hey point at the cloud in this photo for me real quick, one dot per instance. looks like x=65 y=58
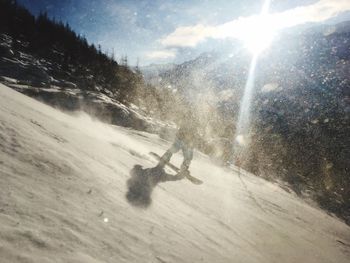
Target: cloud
x=318 y=12
x=191 y=36
x=188 y=36
x=161 y=54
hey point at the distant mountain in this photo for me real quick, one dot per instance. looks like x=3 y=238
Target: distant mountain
x=327 y=29
x=220 y=71
x=152 y=72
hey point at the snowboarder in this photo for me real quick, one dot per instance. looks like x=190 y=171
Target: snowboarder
x=185 y=139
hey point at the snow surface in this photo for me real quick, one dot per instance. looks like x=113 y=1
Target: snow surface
x=63 y=199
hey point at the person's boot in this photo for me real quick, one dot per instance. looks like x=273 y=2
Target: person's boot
x=184 y=170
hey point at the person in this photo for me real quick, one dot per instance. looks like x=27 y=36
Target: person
x=184 y=140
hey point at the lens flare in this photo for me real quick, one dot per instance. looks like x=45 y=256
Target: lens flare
x=243 y=124
x=257 y=35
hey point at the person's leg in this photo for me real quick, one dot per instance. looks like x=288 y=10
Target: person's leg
x=167 y=155
x=188 y=156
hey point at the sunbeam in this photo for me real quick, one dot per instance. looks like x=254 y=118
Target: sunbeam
x=242 y=138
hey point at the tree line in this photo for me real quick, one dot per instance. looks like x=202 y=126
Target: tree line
x=78 y=61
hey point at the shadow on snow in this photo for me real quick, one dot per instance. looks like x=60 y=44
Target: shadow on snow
x=142 y=182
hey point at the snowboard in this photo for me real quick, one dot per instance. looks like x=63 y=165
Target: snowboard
x=177 y=170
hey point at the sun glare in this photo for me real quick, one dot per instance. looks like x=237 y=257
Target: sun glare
x=257 y=34
x=258 y=31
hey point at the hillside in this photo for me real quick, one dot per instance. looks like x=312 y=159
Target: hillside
x=47 y=60
x=61 y=56
x=64 y=182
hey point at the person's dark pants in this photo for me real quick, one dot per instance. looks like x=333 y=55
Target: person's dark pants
x=186 y=150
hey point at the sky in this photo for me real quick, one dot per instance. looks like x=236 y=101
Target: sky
x=166 y=31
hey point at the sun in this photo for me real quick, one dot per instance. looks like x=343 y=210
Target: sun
x=257 y=33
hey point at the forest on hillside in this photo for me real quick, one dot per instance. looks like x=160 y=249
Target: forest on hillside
x=71 y=56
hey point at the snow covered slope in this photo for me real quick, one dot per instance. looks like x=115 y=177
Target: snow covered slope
x=63 y=199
